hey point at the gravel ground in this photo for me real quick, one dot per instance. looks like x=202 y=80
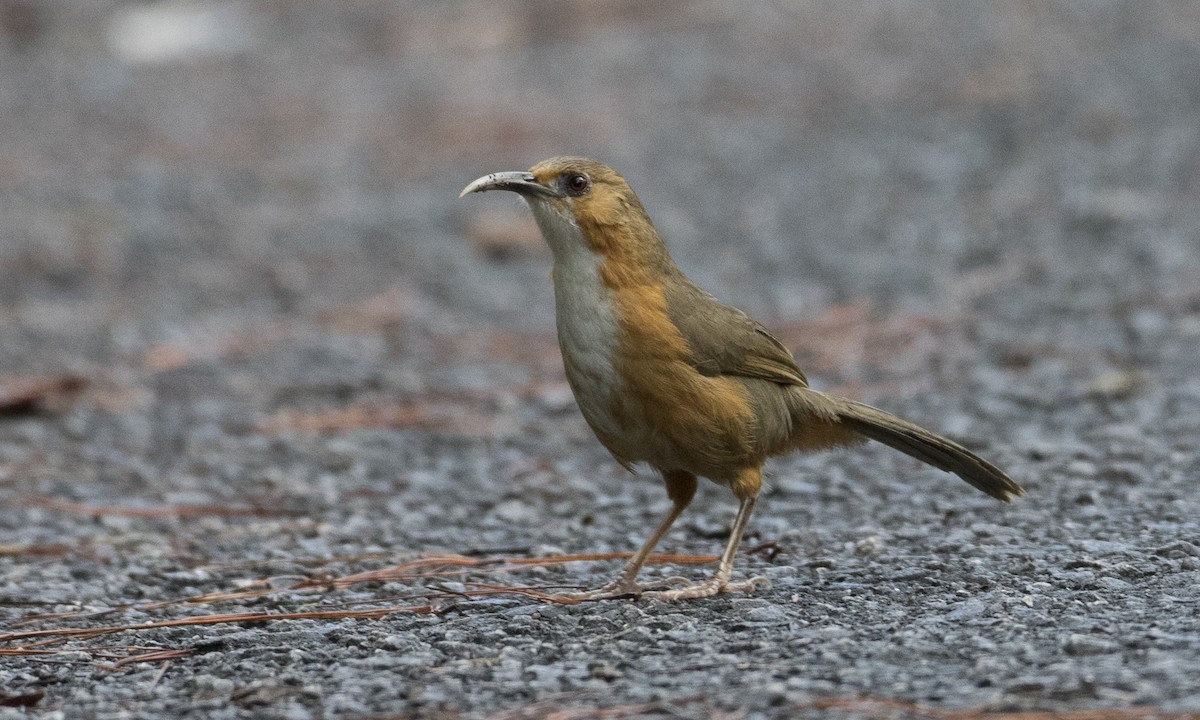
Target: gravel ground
x=318 y=386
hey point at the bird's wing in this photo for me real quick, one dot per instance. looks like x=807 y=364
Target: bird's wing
x=726 y=341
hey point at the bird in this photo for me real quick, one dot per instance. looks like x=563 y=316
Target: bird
x=667 y=375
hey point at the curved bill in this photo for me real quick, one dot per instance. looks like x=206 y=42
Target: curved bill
x=523 y=183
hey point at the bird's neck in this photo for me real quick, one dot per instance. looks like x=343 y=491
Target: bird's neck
x=626 y=253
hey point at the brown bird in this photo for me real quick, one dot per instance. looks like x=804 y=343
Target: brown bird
x=666 y=375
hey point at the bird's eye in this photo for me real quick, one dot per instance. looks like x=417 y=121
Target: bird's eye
x=578 y=183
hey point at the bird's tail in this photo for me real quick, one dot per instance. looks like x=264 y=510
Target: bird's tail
x=927 y=447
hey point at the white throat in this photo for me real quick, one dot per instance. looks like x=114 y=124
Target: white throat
x=587 y=324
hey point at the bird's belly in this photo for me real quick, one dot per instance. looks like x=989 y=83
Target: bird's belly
x=588 y=335
x=589 y=359
x=599 y=394
x=627 y=366
x=662 y=412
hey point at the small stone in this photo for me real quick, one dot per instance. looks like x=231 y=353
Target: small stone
x=515 y=512
x=768 y=615
x=973 y=608
x=1079 y=644
x=870 y=545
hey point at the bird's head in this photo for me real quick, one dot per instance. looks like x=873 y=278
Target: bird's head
x=577 y=200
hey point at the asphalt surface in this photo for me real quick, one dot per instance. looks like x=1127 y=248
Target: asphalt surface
x=286 y=432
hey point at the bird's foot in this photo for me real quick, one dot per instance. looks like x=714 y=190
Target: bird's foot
x=617 y=589
x=627 y=588
x=707 y=588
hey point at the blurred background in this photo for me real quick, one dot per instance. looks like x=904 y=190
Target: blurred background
x=220 y=211
x=230 y=234
x=177 y=174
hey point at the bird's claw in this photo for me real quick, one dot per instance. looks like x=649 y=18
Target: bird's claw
x=616 y=590
x=673 y=581
x=679 y=589
x=708 y=588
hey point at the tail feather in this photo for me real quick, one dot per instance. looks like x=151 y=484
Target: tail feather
x=928 y=447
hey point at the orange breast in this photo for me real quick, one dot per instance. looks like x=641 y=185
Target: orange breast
x=670 y=415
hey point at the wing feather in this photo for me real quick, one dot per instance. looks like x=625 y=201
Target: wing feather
x=726 y=341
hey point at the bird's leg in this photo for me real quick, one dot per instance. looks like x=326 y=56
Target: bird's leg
x=681 y=488
x=747 y=489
